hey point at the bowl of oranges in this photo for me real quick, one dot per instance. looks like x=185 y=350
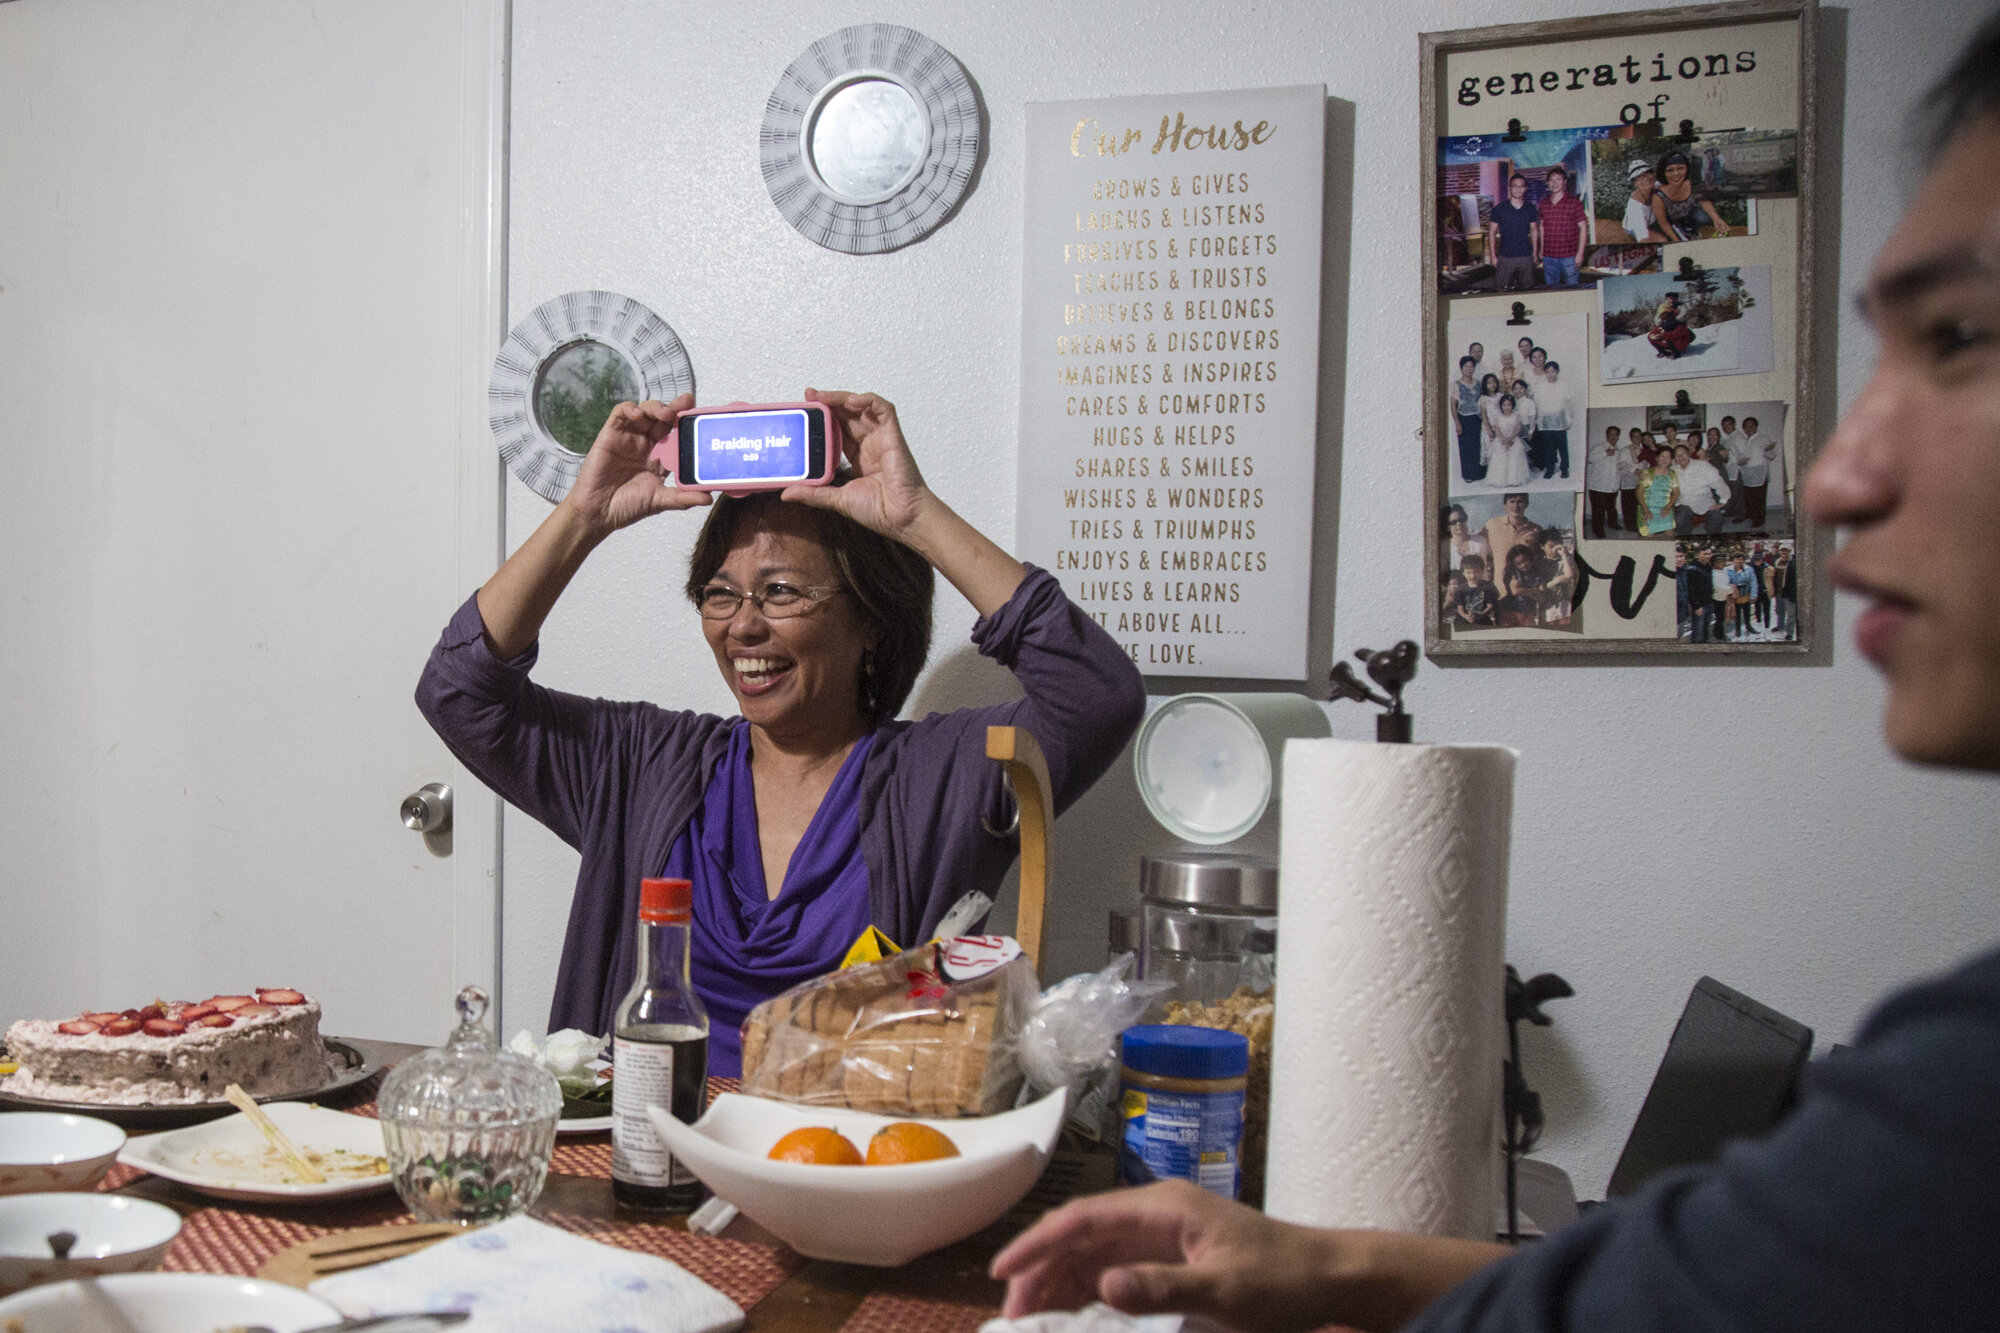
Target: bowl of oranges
x=861 y=1188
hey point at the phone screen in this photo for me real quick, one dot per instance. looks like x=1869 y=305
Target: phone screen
x=786 y=444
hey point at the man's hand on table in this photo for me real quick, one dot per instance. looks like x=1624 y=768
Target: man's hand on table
x=1175 y=1248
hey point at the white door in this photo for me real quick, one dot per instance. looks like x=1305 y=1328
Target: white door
x=248 y=292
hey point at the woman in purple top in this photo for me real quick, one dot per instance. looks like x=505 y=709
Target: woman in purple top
x=815 y=813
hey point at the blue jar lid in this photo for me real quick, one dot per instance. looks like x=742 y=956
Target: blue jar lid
x=1173 y=1050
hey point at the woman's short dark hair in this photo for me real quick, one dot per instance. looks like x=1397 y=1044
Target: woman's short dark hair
x=1968 y=92
x=891 y=586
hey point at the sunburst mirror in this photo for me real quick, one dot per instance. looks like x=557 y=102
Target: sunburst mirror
x=870 y=139
x=564 y=368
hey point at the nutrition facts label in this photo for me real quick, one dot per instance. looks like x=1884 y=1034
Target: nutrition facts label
x=1170 y=370
x=645 y=1078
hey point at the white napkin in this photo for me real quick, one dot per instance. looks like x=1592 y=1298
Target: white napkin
x=1098 y=1317
x=523 y=1276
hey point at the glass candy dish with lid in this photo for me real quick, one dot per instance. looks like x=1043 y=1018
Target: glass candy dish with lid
x=469 y=1125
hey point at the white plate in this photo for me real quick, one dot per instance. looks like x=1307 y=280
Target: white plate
x=584 y=1124
x=880 y=1215
x=166 y=1303
x=230 y=1159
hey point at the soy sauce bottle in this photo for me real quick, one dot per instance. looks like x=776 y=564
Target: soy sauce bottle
x=659 y=1055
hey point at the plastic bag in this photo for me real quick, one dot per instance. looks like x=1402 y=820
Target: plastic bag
x=931 y=1031
x=1072 y=1033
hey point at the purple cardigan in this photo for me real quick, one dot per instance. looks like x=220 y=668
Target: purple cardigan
x=620 y=781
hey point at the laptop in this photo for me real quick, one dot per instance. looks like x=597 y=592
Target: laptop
x=1731 y=1071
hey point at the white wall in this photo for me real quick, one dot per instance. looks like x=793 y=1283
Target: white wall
x=1739 y=821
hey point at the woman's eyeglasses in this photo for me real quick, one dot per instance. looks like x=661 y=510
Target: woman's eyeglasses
x=774 y=601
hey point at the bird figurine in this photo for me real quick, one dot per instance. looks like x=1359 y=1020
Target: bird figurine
x=1392 y=669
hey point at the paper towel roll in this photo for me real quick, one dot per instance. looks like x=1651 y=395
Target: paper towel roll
x=1385 y=1061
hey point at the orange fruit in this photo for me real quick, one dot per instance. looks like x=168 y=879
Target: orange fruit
x=908 y=1141
x=817 y=1145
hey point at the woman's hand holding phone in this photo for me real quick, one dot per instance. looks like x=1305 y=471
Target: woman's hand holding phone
x=887 y=492
x=619 y=483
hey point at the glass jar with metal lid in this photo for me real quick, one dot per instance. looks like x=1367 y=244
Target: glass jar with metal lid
x=1209 y=922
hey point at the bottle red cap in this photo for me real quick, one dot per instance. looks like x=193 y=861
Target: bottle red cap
x=666 y=901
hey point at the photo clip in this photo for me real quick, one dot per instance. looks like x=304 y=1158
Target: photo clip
x=1688 y=133
x=1516 y=133
x=1521 y=313
x=1688 y=270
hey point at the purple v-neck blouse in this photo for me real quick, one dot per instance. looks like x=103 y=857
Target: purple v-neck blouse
x=747 y=945
x=625 y=782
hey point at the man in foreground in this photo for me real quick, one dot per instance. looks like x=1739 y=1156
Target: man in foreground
x=1875 y=1206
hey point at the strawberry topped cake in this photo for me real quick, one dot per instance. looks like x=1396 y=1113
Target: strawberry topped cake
x=173 y=1054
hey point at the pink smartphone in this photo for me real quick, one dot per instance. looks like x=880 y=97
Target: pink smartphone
x=747 y=447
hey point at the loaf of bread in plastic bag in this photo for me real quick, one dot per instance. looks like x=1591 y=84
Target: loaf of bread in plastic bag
x=899 y=1036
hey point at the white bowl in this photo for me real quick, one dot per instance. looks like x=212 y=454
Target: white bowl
x=166 y=1303
x=41 y=1151
x=113 y=1235
x=879 y=1215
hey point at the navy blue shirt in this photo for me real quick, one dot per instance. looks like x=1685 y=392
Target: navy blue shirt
x=1516 y=242
x=1876 y=1206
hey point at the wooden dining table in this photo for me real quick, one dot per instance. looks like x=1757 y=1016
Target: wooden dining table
x=946 y=1291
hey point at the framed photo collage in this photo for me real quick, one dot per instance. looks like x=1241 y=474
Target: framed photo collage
x=1619 y=331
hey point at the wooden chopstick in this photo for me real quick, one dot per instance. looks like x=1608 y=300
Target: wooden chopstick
x=241 y=1101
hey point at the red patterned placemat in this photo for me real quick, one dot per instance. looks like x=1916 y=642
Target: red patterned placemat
x=583 y=1156
x=743 y=1272
x=880 y=1312
x=222 y=1240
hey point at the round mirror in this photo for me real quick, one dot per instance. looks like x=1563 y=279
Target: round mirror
x=562 y=370
x=868 y=139
x=576 y=390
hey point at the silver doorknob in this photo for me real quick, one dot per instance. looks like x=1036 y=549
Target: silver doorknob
x=428 y=809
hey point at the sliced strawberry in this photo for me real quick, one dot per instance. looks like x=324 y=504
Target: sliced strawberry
x=151 y=1011
x=99 y=1018
x=164 y=1027
x=128 y=1013
x=189 y=1013
x=280 y=997
x=78 y=1027
x=214 y=1021
x=254 y=1011
x=121 y=1027
x=229 y=1003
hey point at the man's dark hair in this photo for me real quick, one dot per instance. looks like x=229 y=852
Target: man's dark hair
x=1969 y=91
x=891 y=587
x=1557 y=171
